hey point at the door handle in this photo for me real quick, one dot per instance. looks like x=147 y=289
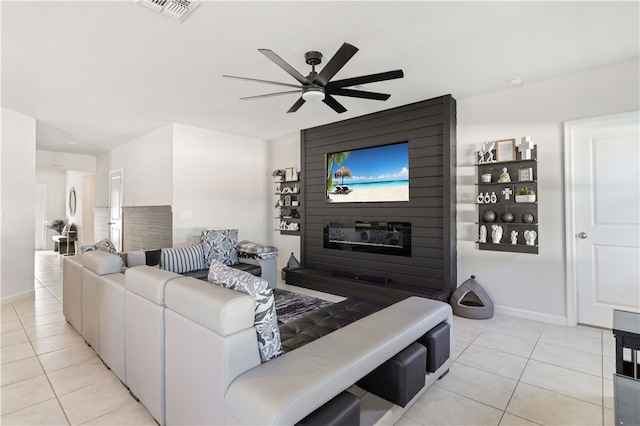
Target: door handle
x=582 y=235
x=111 y=223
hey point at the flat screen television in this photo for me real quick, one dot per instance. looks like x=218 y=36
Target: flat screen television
x=375 y=174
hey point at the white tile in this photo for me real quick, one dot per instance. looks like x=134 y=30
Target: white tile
x=609 y=348
x=607 y=394
x=582 y=330
x=129 y=413
x=457 y=347
x=493 y=361
x=562 y=380
x=608 y=367
x=56 y=342
x=505 y=343
x=47 y=330
x=56 y=290
x=44 y=413
x=94 y=401
x=9 y=315
x=568 y=358
x=518 y=327
x=8 y=326
x=481 y=386
x=439 y=406
x=42 y=319
x=79 y=376
x=17 y=352
x=570 y=338
x=32 y=303
x=13 y=338
x=407 y=421
x=511 y=420
x=550 y=408
x=609 y=417
x=53 y=361
x=25 y=393
x=21 y=370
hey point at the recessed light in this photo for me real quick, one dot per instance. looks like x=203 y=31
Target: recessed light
x=71 y=143
x=516 y=81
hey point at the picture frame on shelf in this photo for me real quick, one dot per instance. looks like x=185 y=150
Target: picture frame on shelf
x=287 y=201
x=525 y=175
x=290 y=174
x=506 y=150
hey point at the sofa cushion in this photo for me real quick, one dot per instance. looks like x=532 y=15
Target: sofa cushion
x=266 y=322
x=102 y=263
x=182 y=259
x=220 y=245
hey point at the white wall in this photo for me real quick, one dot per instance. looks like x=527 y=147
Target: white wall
x=524 y=284
x=147 y=170
x=75 y=179
x=17 y=192
x=283 y=153
x=55 y=180
x=64 y=161
x=220 y=181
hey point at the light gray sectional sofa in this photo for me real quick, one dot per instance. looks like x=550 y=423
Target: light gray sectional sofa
x=188 y=349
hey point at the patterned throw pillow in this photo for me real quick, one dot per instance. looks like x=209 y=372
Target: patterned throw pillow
x=182 y=259
x=104 y=245
x=220 y=245
x=266 y=322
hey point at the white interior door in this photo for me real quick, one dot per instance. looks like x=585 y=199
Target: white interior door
x=115 y=208
x=605 y=156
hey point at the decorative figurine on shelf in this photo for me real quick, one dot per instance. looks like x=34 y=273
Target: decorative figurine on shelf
x=496 y=233
x=480 y=198
x=487 y=148
x=483 y=234
x=507 y=193
x=494 y=198
x=525 y=148
x=504 y=176
x=487 y=198
x=530 y=237
x=514 y=237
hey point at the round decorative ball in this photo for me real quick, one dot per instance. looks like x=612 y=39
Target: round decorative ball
x=489 y=216
x=527 y=218
x=507 y=217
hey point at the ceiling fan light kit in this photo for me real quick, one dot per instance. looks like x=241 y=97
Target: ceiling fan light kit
x=318 y=86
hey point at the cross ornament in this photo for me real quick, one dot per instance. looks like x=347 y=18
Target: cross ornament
x=525 y=148
x=507 y=192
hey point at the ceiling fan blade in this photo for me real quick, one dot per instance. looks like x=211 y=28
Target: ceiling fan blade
x=297 y=105
x=361 y=94
x=336 y=63
x=335 y=105
x=371 y=78
x=268 y=95
x=277 y=83
x=285 y=66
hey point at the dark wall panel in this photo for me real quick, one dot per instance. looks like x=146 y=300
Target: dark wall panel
x=429 y=128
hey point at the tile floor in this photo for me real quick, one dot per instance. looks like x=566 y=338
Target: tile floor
x=507 y=371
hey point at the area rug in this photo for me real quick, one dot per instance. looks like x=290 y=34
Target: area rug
x=290 y=305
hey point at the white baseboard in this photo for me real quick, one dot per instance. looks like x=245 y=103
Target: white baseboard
x=531 y=315
x=17 y=297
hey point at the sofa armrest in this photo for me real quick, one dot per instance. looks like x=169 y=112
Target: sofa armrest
x=269 y=269
x=302 y=380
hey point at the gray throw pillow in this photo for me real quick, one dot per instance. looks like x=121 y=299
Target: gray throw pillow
x=220 y=245
x=266 y=322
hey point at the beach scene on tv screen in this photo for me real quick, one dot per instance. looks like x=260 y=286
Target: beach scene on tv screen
x=374 y=174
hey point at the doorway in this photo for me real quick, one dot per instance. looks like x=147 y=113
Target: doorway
x=115 y=208
x=41 y=217
x=602 y=204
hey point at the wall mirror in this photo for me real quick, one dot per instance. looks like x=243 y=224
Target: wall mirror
x=72 y=201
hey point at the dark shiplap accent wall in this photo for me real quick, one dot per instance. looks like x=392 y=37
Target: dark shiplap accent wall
x=429 y=127
x=146 y=227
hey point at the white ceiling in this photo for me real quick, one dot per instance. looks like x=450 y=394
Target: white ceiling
x=99 y=73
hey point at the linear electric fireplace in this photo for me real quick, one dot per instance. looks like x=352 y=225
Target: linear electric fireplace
x=382 y=237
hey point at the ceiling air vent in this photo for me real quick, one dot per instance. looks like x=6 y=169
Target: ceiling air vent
x=176 y=9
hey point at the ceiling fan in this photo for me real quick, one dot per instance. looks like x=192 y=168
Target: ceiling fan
x=318 y=86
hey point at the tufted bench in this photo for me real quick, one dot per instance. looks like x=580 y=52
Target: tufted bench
x=314 y=325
